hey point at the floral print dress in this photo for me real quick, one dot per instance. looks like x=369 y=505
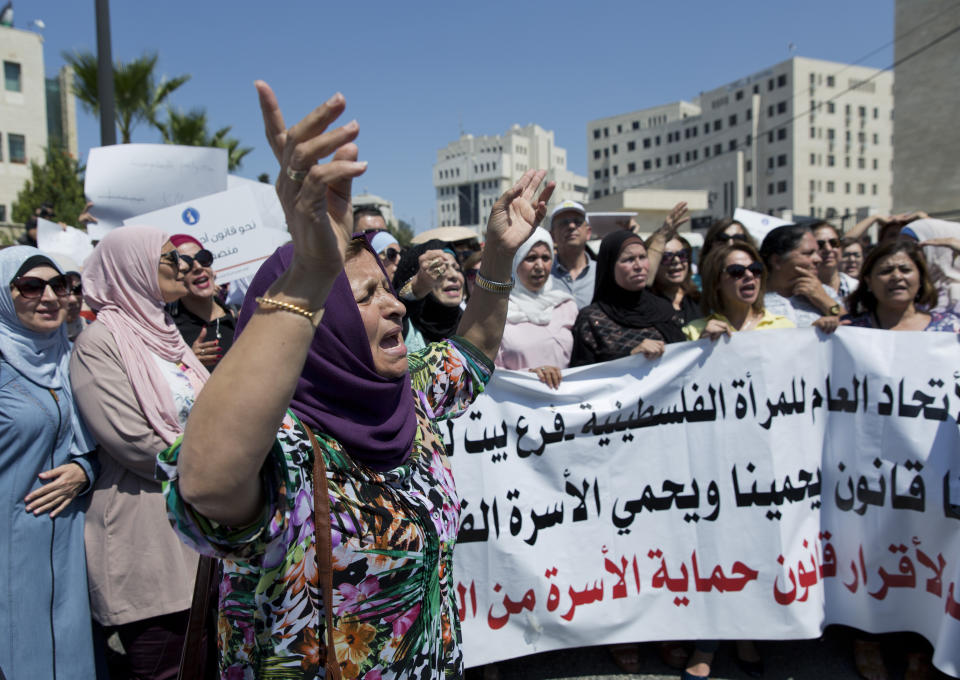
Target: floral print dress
x=392 y=535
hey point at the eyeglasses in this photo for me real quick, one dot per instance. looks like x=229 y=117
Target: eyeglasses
x=724 y=237
x=76 y=287
x=32 y=287
x=577 y=221
x=671 y=255
x=832 y=242
x=179 y=261
x=736 y=271
x=392 y=253
x=852 y=256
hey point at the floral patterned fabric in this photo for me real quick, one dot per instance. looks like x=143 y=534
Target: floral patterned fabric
x=946 y=321
x=392 y=535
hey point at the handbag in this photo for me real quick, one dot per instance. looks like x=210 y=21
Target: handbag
x=199 y=658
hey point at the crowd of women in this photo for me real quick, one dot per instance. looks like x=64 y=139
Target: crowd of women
x=133 y=444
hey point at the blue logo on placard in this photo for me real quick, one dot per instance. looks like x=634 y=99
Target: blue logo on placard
x=190 y=216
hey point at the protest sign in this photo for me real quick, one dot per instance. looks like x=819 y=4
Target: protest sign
x=265 y=196
x=228 y=225
x=759 y=487
x=758 y=224
x=125 y=180
x=59 y=239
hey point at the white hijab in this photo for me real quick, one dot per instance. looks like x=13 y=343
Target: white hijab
x=529 y=306
x=943 y=274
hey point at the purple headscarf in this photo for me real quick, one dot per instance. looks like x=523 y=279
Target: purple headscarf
x=339 y=393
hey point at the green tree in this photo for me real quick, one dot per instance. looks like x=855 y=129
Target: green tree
x=401 y=231
x=58 y=181
x=137 y=94
x=190 y=129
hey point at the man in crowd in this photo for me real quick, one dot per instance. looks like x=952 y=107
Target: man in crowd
x=367 y=218
x=573 y=267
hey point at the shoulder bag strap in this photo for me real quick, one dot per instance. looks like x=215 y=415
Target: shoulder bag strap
x=322 y=547
x=198 y=661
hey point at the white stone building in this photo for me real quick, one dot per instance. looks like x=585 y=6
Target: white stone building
x=803 y=137
x=378 y=202
x=471 y=173
x=33 y=109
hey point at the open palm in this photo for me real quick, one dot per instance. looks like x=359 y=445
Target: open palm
x=516 y=214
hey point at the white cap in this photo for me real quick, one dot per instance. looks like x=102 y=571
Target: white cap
x=567 y=206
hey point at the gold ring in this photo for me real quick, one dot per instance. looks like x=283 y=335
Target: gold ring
x=296 y=175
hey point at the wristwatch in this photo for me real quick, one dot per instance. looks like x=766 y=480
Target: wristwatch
x=834 y=311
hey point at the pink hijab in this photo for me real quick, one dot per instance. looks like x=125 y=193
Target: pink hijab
x=120 y=283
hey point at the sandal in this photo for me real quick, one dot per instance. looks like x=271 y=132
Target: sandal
x=868 y=658
x=627 y=657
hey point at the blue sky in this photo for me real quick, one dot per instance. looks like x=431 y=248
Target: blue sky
x=414 y=72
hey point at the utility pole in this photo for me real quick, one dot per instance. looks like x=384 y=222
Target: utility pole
x=108 y=127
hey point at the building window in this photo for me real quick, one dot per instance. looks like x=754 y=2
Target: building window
x=17 y=145
x=756 y=89
x=596 y=154
x=670 y=159
x=846 y=187
x=813 y=159
x=614 y=148
x=732 y=120
x=619 y=129
x=748 y=191
x=687 y=157
x=781 y=80
x=770 y=137
x=861 y=188
x=782 y=133
x=748 y=165
x=876 y=165
x=658 y=163
x=631 y=167
x=862 y=110
x=749 y=138
x=781 y=160
x=656 y=140
x=770 y=189
x=695 y=154
x=770 y=85
x=706 y=128
x=782 y=107
x=636 y=125
x=846 y=162
x=831 y=161
x=770 y=111
x=813 y=133
x=596 y=194
x=830 y=187
x=717 y=125
x=733 y=145
x=596 y=133
x=631 y=146
x=616 y=170
x=646 y=143
x=3 y=213
x=11 y=76
x=749 y=114
x=862 y=163
x=606 y=153
x=782 y=187
x=831 y=107
x=647 y=164
x=770 y=162
x=606 y=132
x=596 y=174
x=717 y=149
x=706 y=152
x=873 y=190
x=606 y=172
x=830 y=81
x=831 y=134
x=739 y=95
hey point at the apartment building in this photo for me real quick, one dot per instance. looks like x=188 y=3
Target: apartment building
x=471 y=173
x=803 y=137
x=34 y=111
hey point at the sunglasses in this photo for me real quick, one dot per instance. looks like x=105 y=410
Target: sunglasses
x=203 y=258
x=736 y=271
x=577 y=221
x=832 y=242
x=671 y=255
x=32 y=287
x=76 y=287
x=392 y=253
x=852 y=256
x=723 y=238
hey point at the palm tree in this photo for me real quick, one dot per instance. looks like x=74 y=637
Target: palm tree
x=190 y=129
x=138 y=95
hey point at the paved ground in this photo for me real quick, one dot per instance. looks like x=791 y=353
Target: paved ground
x=829 y=658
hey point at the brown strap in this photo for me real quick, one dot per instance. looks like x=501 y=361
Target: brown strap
x=322 y=547
x=198 y=661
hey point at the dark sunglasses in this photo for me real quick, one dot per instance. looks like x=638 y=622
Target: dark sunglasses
x=723 y=238
x=76 y=287
x=832 y=242
x=392 y=253
x=736 y=271
x=577 y=221
x=32 y=287
x=671 y=255
x=204 y=258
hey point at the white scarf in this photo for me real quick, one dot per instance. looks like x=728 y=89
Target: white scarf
x=529 y=306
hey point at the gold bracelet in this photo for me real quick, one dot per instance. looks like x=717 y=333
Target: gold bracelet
x=406 y=292
x=295 y=309
x=498 y=287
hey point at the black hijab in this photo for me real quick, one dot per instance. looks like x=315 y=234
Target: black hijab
x=434 y=320
x=633 y=309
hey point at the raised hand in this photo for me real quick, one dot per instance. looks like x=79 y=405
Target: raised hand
x=315 y=197
x=677 y=216
x=516 y=213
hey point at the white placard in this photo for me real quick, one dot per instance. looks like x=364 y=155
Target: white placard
x=58 y=239
x=228 y=225
x=125 y=180
x=799 y=479
x=758 y=224
x=265 y=196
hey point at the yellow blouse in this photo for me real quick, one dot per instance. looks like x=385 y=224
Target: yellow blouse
x=694 y=329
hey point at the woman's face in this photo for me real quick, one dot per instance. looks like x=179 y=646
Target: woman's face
x=45 y=313
x=630 y=270
x=851 y=259
x=674 y=265
x=894 y=281
x=171 y=275
x=75 y=299
x=381 y=312
x=804 y=256
x=200 y=281
x=828 y=246
x=449 y=287
x=734 y=290
x=534 y=269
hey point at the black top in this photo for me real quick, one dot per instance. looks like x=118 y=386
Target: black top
x=189 y=325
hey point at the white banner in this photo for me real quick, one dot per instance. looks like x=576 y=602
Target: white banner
x=758 y=488
x=59 y=239
x=228 y=224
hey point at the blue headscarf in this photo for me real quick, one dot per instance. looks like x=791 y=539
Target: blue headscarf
x=41 y=358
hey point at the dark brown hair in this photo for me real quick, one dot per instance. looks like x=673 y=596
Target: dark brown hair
x=712 y=270
x=710 y=240
x=862 y=301
x=688 y=286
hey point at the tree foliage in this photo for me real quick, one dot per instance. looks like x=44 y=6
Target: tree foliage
x=401 y=231
x=58 y=181
x=137 y=94
x=190 y=129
